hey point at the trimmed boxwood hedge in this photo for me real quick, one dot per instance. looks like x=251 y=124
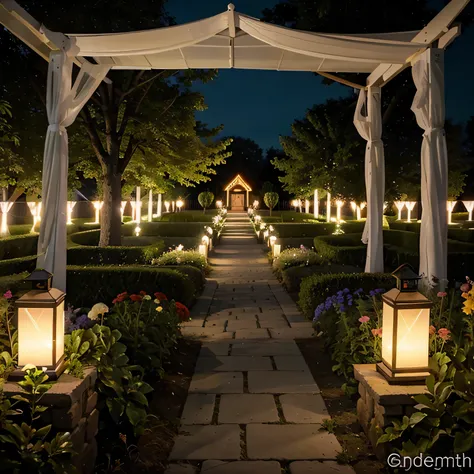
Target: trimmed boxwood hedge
x=89 y=285
x=192 y=273
x=17 y=246
x=316 y=288
x=316 y=229
x=17 y=265
x=344 y=248
x=188 y=217
x=166 y=229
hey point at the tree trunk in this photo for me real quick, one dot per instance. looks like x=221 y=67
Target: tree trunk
x=111 y=224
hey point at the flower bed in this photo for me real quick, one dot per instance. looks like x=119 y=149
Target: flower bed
x=295 y=257
x=182 y=257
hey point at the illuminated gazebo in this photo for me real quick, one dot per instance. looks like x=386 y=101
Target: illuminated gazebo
x=235 y=40
x=238 y=194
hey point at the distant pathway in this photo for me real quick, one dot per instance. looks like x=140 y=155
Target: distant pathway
x=253 y=406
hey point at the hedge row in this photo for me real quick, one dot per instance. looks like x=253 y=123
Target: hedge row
x=316 y=288
x=316 y=229
x=344 y=248
x=17 y=246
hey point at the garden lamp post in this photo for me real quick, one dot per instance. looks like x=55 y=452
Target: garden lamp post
x=40 y=316
x=406 y=326
x=203 y=250
x=276 y=250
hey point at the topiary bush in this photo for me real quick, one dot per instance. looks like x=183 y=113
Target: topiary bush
x=89 y=285
x=192 y=273
x=186 y=217
x=271 y=200
x=17 y=265
x=17 y=246
x=182 y=257
x=205 y=199
x=343 y=248
x=316 y=288
x=295 y=257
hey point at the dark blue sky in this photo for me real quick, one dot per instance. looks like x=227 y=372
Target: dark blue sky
x=263 y=104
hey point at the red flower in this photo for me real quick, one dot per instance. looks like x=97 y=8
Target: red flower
x=182 y=311
x=143 y=293
x=161 y=296
x=136 y=297
x=120 y=297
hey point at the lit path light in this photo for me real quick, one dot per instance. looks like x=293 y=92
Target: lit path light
x=35 y=209
x=469 y=205
x=410 y=206
x=450 y=205
x=328 y=207
x=179 y=204
x=137 y=231
x=399 y=205
x=70 y=207
x=219 y=204
x=5 y=208
x=276 y=250
x=97 y=206
x=122 y=209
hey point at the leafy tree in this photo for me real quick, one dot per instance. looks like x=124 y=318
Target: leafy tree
x=271 y=200
x=267 y=187
x=142 y=117
x=205 y=199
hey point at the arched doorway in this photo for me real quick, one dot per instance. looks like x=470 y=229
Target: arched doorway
x=238 y=194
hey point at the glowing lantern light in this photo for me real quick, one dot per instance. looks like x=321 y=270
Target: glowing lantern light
x=316 y=204
x=70 y=207
x=180 y=248
x=97 y=206
x=179 y=204
x=276 y=250
x=406 y=326
x=35 y=209
x=339 y=205
x=137 y=231
x=399 y=205
x=258 y=218
x=122 y=209
x=167 y=206
x=328 y=207
x=410 y=205
x=469 y=205
x=256 y=203
x=40 y=314
x=203 y=250
x=5 y=208
x=272 y=240
x=219 y=204
x=450 y=206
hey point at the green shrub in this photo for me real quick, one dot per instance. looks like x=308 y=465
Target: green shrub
x=192 y=273
x=206 y=198
x=463 y=235
x=87 y=237
x=295 y=257
x=182 y=257
x=293 y=216
x=15 y=283
x=304 y=230
x=408 y=226
x=114 y=255
x=88 y=285
x=17 y=246
x=186 y=217
x=166 y=229
x=20 y=229
x=17 y=265
x=343 y=248
x=316 y=288
x=292 y=242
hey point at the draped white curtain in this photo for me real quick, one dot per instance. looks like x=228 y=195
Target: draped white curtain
x=429 y=109
x=64 y=101
x=369 y=126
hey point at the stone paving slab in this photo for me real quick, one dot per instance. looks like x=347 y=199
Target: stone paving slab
x=193 y=323
x=202 y=332
x=316 y=467
x=198 y=409
x=265 y=348
x=302 y=324
x=247 y=408
x=290 y=442
x=232 y=364
x=240 y=467
x=282 y=382
x=212 y=349
x=180 y=469
x=260 y=333
x=291 y=363
x=292 y=333
x=217 y=382
x=304 y=408
x=207 y=442
x=277 y=323
x=247 y=323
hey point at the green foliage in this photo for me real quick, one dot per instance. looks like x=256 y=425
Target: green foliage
x=89 y=285
x=182 y=257
x=316 y=288
x=18 y=246
x=295 y=257
x=29 y=445
x=186 y=217
x=195 y=275
x=271 y=200
x=344 y=248
x=17 y=265
x=206 y=198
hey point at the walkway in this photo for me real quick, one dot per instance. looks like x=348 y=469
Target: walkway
x=253 y=405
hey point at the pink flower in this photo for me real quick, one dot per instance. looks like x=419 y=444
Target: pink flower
x=465 y=287
x=377 y=332
x=432 y=330
x=442 y=294
x=364 y=319
x=7 y=295
x=443 y=333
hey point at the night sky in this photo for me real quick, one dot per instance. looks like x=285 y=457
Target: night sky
x=263 y=104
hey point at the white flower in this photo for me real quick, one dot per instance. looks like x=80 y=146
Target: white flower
x=96 y=310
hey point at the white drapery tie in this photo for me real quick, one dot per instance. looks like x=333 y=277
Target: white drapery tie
x=56 y=128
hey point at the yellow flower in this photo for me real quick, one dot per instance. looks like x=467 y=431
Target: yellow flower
x=466 y=311
x=159 y=309
x=157 y=301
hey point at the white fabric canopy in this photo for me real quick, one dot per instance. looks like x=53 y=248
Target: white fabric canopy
x=370 y=128
x=428 y=107
x=63 y=103
x=234 y=40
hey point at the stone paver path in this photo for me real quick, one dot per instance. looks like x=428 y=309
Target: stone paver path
x=253 y=405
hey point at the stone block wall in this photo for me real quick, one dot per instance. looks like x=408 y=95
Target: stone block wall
x=380 y=403
x=72 y=405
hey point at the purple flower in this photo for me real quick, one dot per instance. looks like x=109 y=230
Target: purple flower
x=83 y=322
x=7 y=295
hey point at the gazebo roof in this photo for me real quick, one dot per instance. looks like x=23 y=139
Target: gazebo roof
x=235 y=40
x=238 y=181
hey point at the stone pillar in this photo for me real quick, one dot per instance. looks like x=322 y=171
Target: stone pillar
x=72 y=407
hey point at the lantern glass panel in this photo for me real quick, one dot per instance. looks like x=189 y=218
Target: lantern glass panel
x=412 y=338
x=387 y=339
x=59 y=332
x=35 y=336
